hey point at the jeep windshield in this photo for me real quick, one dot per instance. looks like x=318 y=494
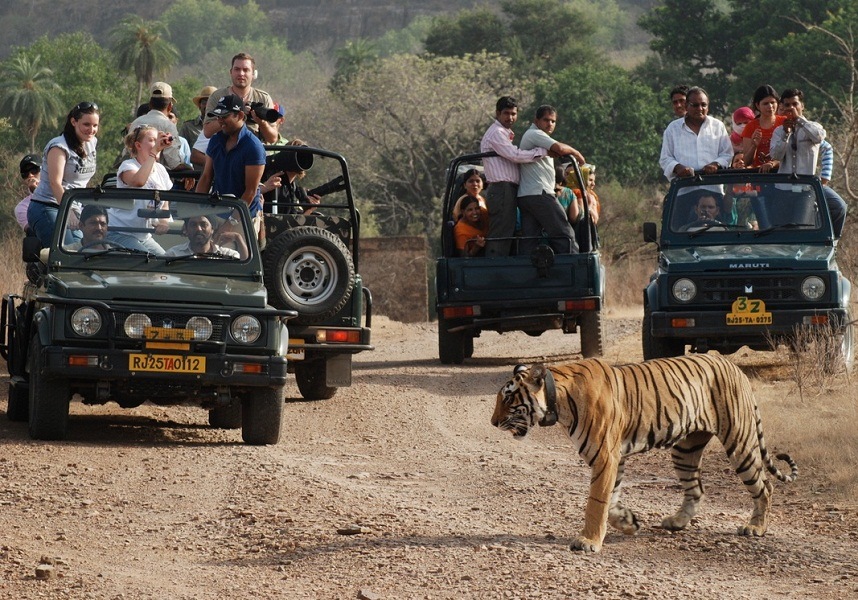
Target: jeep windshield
x=163 y=227
x=745 y=203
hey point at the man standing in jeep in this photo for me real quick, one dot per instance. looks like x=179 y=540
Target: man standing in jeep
x=243 y=72
x=796 y=145
x=502 y=175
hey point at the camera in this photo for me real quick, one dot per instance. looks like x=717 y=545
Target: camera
x=267 y=114
x=336 y=184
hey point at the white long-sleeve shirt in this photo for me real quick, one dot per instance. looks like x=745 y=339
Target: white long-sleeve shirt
x=801 y=159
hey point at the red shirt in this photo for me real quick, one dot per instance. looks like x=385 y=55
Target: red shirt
x=764 y=147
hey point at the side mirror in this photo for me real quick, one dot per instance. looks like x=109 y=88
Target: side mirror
x=650 y=233
x=30 y=248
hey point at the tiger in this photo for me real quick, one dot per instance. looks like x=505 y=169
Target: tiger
x=611 y=412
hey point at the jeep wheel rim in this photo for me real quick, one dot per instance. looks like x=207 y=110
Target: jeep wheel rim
x=309 y=276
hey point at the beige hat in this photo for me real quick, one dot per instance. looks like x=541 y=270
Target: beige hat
x=204 y=93
x=161 y=90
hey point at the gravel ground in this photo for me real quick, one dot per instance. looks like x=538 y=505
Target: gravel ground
x=397 y=488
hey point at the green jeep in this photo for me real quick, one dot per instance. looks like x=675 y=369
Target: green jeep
x=760 y=272
x=310 y=259
x=532 y=293
x=110 y=322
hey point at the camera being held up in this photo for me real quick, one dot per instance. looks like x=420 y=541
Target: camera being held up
x=266 y=114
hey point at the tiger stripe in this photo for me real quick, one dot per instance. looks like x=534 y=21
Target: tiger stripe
x=611 y=412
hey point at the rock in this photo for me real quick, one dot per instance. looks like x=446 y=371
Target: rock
x=45 y=571
x=352 y=529
x=365 y=594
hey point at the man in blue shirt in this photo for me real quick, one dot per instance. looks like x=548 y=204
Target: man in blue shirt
x=235 y=158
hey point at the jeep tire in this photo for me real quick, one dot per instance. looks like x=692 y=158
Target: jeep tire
x=592 y=334
x=655 y=347
x=261 y=413
x=49 y=399
x=309 y=270
x=311 y=379
x=451 y=345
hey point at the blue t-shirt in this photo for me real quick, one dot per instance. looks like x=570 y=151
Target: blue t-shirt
x=229 y=166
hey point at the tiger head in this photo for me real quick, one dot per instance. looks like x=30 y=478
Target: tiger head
x=526 y=400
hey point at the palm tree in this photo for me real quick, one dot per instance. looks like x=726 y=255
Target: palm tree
x=142 y=46
x=29 y=96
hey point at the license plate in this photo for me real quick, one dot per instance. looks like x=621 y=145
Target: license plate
x=296 y=349
x=747 y=311
x=168 y=334
x=166 y=363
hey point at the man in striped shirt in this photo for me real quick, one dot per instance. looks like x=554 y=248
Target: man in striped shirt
x=502 y=176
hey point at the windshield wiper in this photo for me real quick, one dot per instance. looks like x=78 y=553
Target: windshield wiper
x=709 y=226
x=217 y=255
x=119 y=249
x=763 y=232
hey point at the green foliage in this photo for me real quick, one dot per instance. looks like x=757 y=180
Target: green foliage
x=28 y=95
x=355 y=56
x=141 y=47
x=201 y=26
x=83 y=70
x=401 y=122
x=408 y=40
x=467 y=32
x=537 y=35
x=613 y=120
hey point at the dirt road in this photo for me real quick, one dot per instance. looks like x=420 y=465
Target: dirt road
x=397 y=488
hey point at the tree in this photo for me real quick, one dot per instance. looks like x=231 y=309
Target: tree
x=29 y=95
x=613 y=120
x=141 y=47
x=401 y=122
x=353 y=57
x=193 y=22
x=539 y=36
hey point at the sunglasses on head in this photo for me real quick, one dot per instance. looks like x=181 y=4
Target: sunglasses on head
x=85 y=107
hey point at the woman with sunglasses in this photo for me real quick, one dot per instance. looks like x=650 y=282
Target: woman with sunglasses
x=68 y=162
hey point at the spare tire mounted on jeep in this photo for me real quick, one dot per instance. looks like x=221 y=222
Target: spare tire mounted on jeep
x=310 y=270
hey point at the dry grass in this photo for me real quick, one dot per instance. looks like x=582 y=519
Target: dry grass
x=807 y=412
x=12 y=277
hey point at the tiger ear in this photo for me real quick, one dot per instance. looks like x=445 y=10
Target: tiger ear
x=519 y=369
x=537 y=372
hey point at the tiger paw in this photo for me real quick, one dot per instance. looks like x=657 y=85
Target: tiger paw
x=585 y=545
x=676 y=522
x=624 y=520
x=752 y=530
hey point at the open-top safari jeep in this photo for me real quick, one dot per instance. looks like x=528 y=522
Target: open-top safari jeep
x=108 y=322
x=311 y=266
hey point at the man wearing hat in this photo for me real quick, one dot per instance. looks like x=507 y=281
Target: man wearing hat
x=190 y=129
x=243 y=72
x=160 y=106
x=30 y=170
x=235 y=158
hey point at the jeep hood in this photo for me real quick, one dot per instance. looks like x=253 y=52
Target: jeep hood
x=131 y=286
x=749 y=257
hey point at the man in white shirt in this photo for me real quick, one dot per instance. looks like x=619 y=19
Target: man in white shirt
x=502 y=176
x=696 y=142
x=540 y=210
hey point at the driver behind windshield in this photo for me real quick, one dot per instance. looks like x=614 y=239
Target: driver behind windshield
x=93 y=226
x=200 y=233
x=706 y=211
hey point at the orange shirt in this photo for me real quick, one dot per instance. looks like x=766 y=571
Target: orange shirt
x=764 y=147
x=464 y=231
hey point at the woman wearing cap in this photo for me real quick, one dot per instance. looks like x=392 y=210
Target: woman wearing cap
x=68 y=163
x=142 y=170
x=30 y=170
x=741 y=117
x=757 y=135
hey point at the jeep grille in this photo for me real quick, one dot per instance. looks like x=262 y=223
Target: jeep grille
x=719 y=290
x=177 y=321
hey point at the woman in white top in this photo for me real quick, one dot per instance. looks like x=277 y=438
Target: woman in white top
x=142 y=170
x=68 y=162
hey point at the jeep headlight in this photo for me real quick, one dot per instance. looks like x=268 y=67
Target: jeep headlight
x=136 y=325
x=86 y=321
x=684 y=290
x=813 y=288
x=246 y=329
x=201 y=326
